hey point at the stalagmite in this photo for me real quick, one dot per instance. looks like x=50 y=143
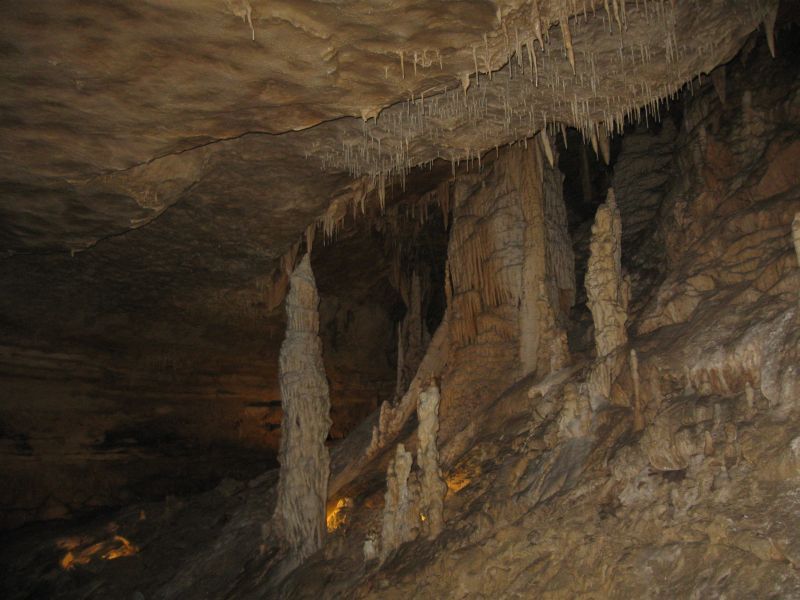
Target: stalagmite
x=305 y=464
x=400 y=514
x=605 y=288
x=432 y=486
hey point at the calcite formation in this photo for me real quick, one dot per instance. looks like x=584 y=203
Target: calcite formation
x=431 y=486
x=305 y=464
x=400 y=510
x=606 y=288
x=637 y=438
x=234 y=153
x=548 y=271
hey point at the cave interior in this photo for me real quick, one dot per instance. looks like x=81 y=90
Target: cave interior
x=400 y=299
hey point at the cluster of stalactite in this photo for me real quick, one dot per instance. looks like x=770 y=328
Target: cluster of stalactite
x=509 y=247
x=529 y=75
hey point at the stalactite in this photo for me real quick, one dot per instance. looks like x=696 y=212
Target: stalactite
x=412 y=334
x=547 y=147
x=536 y=20
x=305 y=464
x=769 y=26
x=604 y=143
x=400 y=513
x=432 y=486
x=564 y=20
x=605 y=289
x=718 y=80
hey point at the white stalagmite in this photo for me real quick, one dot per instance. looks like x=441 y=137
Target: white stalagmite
x=400 y=508
x=605 y=288
x=432 y=485
x=305 y=464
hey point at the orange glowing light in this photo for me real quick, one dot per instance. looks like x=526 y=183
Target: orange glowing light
x=337 y=516
x=457 y=482
x=125 y=549
x=110 y=549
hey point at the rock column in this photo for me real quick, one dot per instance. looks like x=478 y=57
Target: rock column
x=432 y=486
x=399 y=511
x=305 y=464
x=606 y=289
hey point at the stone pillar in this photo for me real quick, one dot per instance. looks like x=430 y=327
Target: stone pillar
x=305 y=464
x=432 y=486
x=400 y=508
x=606 y=289
x=548 y=268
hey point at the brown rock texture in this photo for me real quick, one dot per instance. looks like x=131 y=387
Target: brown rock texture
x=606 y=289
x=305 y=462
x=662 y=463
x=400 y=512
x=431 y=486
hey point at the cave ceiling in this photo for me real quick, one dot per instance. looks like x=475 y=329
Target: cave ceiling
x=204 y=136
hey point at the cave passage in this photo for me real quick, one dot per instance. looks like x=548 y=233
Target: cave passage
x=400 y=300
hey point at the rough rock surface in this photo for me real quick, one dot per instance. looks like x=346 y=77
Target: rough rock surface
x=400 y=512
x=688 y=490
x=305 y=462
x=158 y=160
x=607 y=291
x=431 y=486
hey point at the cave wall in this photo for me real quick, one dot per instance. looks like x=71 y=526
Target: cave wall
x=110 y=402
x=511 y=279
x=695 y=493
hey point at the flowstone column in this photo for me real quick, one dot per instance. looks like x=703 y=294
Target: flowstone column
x=432 y=487
x=607 y=297
x=606 y=290
x=400 y=509
x=548 y=270
x=305 y=464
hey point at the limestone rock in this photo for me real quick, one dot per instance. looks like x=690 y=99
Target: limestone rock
x=606 y=290
x=431 y=485
x=400 y=511
x=305 y=463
